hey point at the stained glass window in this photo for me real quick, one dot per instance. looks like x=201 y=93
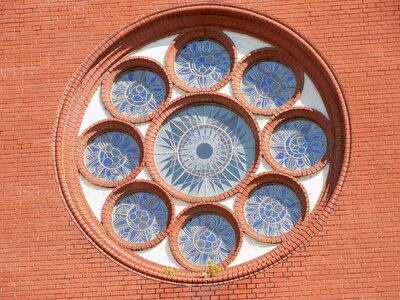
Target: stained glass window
x=112 y=156
x=138 y=93
x=272 y=210
x=186 y=117
x=268 y=85
x=298 y=144
x=139 y=217
x=202 y=63
x=204 y=150
x=206 y=238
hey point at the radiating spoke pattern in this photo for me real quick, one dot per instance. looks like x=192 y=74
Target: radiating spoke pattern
x=204 y=150
x=272 y=210
x=206 y=237
x=202 y=63
x=298 y=144
x=139 y=217
x=138 y=92
x=268 y=85
x=112 y=156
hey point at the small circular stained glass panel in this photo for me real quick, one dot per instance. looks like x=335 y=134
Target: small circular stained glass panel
x=139 y=217
x=202 y=63
x=112 y=156
x=298 y=144
x=137 y=93
x=206 y=238
x=204 y=151
x=268 y=85
x=272 y=210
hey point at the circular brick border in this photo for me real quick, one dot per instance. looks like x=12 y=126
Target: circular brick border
x=194 y=100
x=97 y=129
x=85 y=81
x=271 y=55
x=265 y=179
x=124 y=66
x=125 y=190
x=192 y=35
x=194 y=211
x=289 y=115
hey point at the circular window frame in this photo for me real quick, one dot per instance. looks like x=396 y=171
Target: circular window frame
x=261 y=55
x=193 y=35
x=87 y=78
x=136 y=186
x=97 y=129
x=197 y=210
x=270 y=178
x=303 y=113
x=125 y=66
x=191 y=100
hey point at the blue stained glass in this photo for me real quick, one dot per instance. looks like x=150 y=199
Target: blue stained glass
x=268 y=85
x=138 y=93
x=272 y=210
x=139 y=217
x=206 y=237
x=298 y=144
x=112 y=156
x=202 y=63
x=204 y=150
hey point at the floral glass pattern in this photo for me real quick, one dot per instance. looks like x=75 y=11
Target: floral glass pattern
x=204 y=150
x=112 y=156
x=138 y=93
x=272 y=210
x=206 y=237
x=268 y=85
x=202 y=63
x=298 y=144
x=139 y=217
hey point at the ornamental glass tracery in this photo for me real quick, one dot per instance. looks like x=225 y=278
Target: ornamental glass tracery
x=137 y=93
x=268 y=84
x=139 y=217
x=202 y=63
x=112 y=156
x=298 y=144
x=204 y=150
x=206 y=238
x=272 y=210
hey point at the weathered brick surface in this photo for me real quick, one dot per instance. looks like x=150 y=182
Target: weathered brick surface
x=43 y=254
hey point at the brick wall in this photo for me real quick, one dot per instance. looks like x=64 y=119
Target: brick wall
x=44 y=254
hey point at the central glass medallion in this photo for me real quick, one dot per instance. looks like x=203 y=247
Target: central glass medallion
x=204 y=150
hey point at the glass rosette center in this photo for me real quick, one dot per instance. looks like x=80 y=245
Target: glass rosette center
x=204 y=151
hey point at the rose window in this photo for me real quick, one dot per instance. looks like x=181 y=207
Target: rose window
x=211 y=147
